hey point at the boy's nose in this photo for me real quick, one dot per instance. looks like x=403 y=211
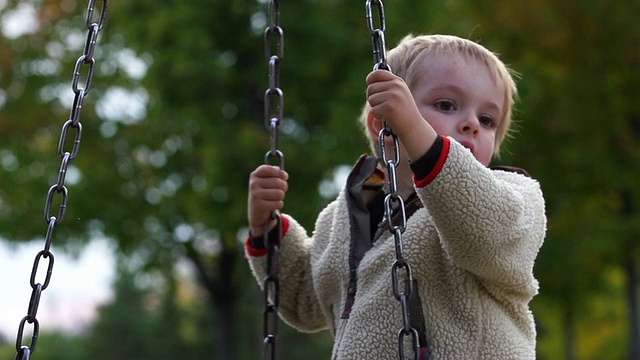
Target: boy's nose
x=469 y=124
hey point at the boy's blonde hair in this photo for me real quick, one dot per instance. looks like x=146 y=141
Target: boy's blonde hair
x=403 y=60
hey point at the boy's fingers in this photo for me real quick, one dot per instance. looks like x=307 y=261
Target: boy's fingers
x=270 y=171
x=379 y=75
x=267 y=183
x=269 y=194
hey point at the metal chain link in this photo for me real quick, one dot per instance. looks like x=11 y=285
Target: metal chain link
x=24 y=352
x=393 y=202
x=273 y=112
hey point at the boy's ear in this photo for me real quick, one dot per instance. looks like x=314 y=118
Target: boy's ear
x=374 y=125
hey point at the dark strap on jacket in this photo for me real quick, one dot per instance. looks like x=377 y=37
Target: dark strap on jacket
x=367 y=225
x=360 y=234
x=417 y=321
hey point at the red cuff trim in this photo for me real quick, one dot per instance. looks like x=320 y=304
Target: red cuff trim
x=446 y=146
x=253 y=251
x=263 y=251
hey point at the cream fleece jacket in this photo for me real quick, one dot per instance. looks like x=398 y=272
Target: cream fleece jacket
x=471 y=247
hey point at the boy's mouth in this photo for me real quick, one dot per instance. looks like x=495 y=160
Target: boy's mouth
x=467 y=145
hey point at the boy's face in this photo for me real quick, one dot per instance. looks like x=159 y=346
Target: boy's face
x=459 y=98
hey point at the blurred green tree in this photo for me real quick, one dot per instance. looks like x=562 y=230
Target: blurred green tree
x=142 y=321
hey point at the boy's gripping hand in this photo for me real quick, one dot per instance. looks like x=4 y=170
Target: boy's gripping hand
x=267 y=188
x=391 y=100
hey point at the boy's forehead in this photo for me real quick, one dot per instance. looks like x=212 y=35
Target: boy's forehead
x=450 y=56
x=450 y=60
x=428 y=60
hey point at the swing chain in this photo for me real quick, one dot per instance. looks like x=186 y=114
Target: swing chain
x=273 y=113
x=393 y=202
x=377 y=34
x=23 y=352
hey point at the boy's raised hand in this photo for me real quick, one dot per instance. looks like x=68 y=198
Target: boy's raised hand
x=391 y=100
x=267 y=188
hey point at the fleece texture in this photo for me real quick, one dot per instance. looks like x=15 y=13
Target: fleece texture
x=471 y=247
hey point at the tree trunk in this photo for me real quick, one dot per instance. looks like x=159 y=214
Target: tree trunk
x=568 y=326
x=223 y=296
x=226 y=328
x=632 y=296
x=225 y=300
x=632 y=282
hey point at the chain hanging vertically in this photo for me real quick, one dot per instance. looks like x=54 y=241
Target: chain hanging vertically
x=23 y=352
x=393 y=202
x=273 y=112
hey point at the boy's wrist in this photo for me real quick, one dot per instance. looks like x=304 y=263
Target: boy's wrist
x=427 y=162
x=428 y=166
x=257 y=241
x=255 y=244
x=259 y=230
x=256 y=231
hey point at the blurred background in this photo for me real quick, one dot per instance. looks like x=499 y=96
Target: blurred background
x=149 y=259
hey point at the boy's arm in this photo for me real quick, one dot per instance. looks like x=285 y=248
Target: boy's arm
x=491 y=223
x=298 y=305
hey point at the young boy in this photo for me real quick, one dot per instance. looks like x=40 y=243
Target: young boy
x=472 y=233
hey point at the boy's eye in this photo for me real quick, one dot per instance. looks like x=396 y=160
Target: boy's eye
x=487 y=121
x=445 y=105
